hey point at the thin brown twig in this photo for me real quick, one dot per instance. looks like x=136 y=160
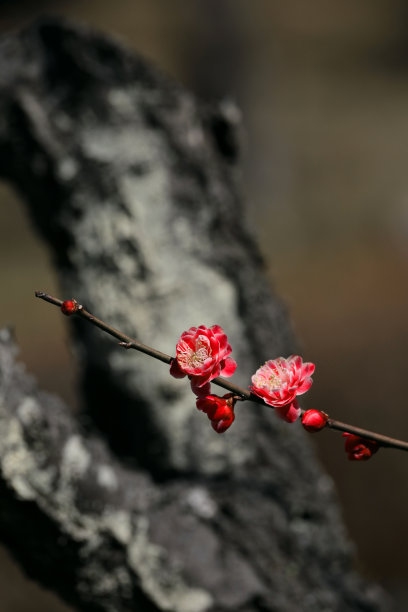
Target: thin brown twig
x=130 y=343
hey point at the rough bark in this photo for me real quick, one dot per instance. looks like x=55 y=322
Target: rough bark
x=133 y=184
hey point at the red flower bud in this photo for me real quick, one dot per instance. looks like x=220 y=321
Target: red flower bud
x=69 y=307
x=223 y=424
x=359 y=449
x=220 y=410
x=314 y=420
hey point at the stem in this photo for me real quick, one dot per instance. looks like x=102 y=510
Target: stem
x=130 y=343
x=370 y=435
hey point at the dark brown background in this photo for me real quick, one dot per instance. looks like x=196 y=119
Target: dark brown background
x=323 y=87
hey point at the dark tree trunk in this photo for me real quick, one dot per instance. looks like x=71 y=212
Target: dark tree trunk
x=133 y=184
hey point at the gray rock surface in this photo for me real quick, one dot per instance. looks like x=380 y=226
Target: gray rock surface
x=134 y=186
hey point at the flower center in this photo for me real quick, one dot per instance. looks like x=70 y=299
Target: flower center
x=274 y=381
x=278 y=377
x=195 y=358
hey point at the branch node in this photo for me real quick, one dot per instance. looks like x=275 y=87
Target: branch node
x=126 y=345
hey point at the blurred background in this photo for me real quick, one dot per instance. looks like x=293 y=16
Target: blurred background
x=323 y=90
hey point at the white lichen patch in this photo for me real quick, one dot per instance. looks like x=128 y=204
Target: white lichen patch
x=106 y=477
x=104 y=583
x=103 y=233
x=75 y=459
x=94 y=578
x=241 y=455
x=125 y=146
x=67 y=168
x=201 y=502
x=121 y=101
x=18 y=464
x=161 y=582
x=195 y=137
x=120 y=525
x=29 y=411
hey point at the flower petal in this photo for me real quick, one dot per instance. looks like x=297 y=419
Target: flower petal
x=289 y=413
x=222 y=411
x=223 y=424
x=305 y=386
x=175 y=369
x=309 y=368
x=230 y=365
x=200 y=391
x=296 y=360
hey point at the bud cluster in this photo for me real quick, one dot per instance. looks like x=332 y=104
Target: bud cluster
x=220 y=410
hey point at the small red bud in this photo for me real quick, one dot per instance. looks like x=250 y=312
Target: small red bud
x=69 y=307
x=220 y=410
x=223 y=424
x=359 y=449
x=314 y=420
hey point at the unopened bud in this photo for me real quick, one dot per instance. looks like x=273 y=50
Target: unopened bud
x=220 y=410
x=359 y=449
x=69 y=307
x=314 y=420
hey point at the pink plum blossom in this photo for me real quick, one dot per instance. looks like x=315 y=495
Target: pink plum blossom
x=279 y=381
x=202 y=355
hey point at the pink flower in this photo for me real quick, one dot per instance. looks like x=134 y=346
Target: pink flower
x=220 y=410
x=202 y=354
x=359 y=449
x=279 y=381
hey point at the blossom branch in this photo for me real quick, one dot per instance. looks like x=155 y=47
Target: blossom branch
x=243 y=394
x=131 y=343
